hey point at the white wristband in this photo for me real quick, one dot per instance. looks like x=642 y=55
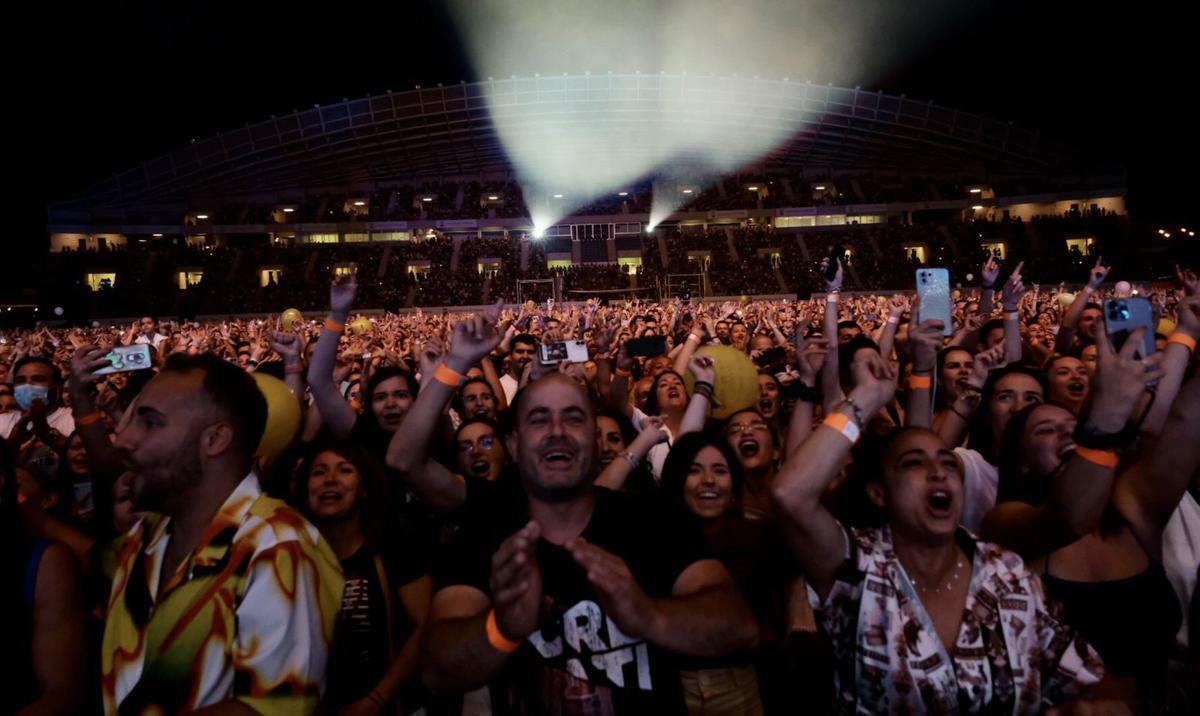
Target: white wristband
x=893 y=319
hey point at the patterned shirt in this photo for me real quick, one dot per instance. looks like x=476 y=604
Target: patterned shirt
x=1012 y=655
x=248 y=615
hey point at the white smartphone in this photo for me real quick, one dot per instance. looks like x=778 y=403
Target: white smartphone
x=933 y=288
x=573 y=351
x=127 y=358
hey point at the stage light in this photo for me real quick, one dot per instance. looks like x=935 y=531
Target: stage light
x=539 y=232
x=751 y=188
x=558 y=196
x=360 y=203
x=288 y=209
x=493 y=197
x=820 y=187
x=622 y=193
x=158 y=236
x=976 y=191
x=978 y=207
x=687 y=191
x=427 y=198
x=201 y=216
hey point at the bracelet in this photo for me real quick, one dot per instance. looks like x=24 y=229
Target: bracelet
x=832 y=296
x=893 y=320
x=293 y=368
x=633 y=461
x=694 y=337
x=376 y=698
x=498 y=641
x=857 y=411
x=964 y=418
x=447 y=376
x=623 y=373
x=90 y=419
x=703 y=387
x=600 y=356
x=1184 y=340
x=1103 y=458
x=334 y=326
x=844 y=425
x=919 y=382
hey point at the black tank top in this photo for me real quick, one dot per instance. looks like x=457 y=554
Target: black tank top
x=1131 y=622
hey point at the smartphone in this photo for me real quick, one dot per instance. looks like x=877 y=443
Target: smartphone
x=838 y=253
x=771 y=357
x=933 y=288
x=574 y=351
x=127 y=358
x=1123 y=316
x=647 y=347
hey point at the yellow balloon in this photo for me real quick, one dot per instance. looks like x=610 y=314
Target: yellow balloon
x=1166 y=326
x=289 y=318
x=361 y=325
x=736 y=382
x=1066 y=299
x=283 y=416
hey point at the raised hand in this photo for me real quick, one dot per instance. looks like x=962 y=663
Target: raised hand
x=834 y=284
x=1119 y=381
x=990 y=272
x=986 y=362
x=287 y=345
x=810 y=355
x=703 y=368
x=84 y=364
x=516 y=583
x=1187 y=279
x=1098 y=274
x=874 y=382
x=924 y=341
x=1014 y=289
x=341 y=293
x=474 y=338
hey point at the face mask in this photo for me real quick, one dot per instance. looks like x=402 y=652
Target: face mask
x=26 y=393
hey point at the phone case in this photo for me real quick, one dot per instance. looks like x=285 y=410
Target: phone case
x=933 y=288
x=1123 y=316
x=127 y=358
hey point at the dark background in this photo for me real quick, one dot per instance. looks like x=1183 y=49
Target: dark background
x=99 y=87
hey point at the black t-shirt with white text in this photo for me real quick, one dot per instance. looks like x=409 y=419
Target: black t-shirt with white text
x=579 y=661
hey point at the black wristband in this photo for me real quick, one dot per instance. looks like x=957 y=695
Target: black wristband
x=1087 y=436
x=704 y=388
x=807 y=393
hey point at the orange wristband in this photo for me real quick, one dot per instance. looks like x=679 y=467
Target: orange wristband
x=1184 y=340
x=920 y=382
x=1103 y=458
x=843 y=425
x=335 y=326
x=498 y=641
x=90 y=419
x=447 y=376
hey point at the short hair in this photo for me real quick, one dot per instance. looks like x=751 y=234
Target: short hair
x=990 y=326
x=848 y=324
x=232 y=392
x=456 y=402
x=41 y=360
x=525 y=338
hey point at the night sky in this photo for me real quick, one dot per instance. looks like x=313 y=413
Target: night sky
x=98 y=88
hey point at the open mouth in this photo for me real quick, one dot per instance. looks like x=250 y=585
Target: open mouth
x=480 y=467
x=606 y=459
x=558 y=457
x=939 y=502
x=766 y=405
x=673 y=394
x=1076 y=389
x=748 y=448
x=1066 y=449
x=708 y=495
x=329 y=496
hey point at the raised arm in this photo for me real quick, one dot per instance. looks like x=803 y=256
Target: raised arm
x=887 y=337
x=924 y=342
x=1083 y=488
x=809 y=354
x=408 y=450
x=1066 y=331
x=987 y=289
x=703 y=368
x=1176 y=357
x=831 y=388
x=817 y=539
x=1014 y=290
x=957 y=420
x=289 y=347
x=335 y=411
x=618 y=471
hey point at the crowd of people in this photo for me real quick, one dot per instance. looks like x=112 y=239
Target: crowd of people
x=829 y=505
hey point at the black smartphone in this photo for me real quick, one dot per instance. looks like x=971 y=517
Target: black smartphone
x=838 y=253
x=647 y=347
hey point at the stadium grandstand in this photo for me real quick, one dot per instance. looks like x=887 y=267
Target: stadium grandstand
x=415 y=188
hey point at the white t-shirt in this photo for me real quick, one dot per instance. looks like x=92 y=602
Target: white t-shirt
x=510 y=385
x=980 y=480
x=154 y=340
x=1181 y=556
x=60 y=420
x=658 y=454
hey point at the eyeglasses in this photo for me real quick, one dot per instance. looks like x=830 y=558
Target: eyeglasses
x=487 y=442
x=739 y=429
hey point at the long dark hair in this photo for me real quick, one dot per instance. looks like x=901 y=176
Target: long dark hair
x=679 y=464
x=981 y=439
x=652 y=407
x=374 y=508
x=366 y=428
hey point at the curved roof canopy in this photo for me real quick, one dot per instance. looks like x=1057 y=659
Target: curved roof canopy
x=449 y=131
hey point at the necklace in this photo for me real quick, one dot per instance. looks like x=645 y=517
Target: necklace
x=947 y=584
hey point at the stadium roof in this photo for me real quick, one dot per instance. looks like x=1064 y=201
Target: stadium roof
x=448 y=131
